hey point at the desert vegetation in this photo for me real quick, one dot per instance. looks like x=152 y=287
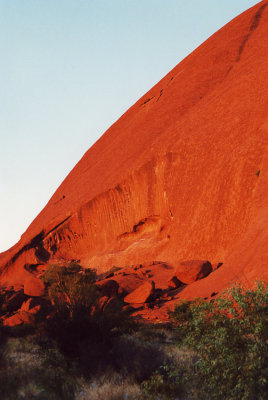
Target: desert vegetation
x=229 y=337
x=83 y=350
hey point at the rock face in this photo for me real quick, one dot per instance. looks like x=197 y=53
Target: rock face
x=181 y=175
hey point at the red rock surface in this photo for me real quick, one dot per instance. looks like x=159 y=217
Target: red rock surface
x=181 y=175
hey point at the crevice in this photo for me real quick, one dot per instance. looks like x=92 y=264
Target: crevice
x=34 y=242
x=171 y=79
x=57 y=226
x=142 y=222
x=138 y=228
x=31 y=267
x=57 y=201
x=253 y=26
x=228 y=72
x=160 y=94
x=118 y=188
x=147 y=101
x=53 y=248
x=41 y=253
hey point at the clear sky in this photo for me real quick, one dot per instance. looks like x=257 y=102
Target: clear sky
x=68 y=70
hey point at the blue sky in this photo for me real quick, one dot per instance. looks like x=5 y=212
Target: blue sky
x=69 y=69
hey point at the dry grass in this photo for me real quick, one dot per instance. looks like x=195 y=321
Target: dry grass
x=35 y=370
x=27 y=373
x=110 y=387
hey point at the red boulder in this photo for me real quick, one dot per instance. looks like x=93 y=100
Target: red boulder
x=34 y=287
x=192 y=270
x=141 y=294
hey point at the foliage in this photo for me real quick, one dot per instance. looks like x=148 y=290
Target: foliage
x=183 y=315
x=90 y=350
x=70 y=286
x=56 y=377
x=27 y=372
x=230 y=336
x=79 y=322
x=137 y=358
x=165 y=384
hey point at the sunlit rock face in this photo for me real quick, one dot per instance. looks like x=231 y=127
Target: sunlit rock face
x=182 y=175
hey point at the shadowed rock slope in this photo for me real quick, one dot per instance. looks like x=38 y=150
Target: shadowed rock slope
x=182 y=175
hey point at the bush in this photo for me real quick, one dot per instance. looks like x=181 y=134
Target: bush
x=164 y=384
x=56 y=376
x=28 y=373
x=137 y=358
x=79 y=324
x=230 y=337
x=70 y=287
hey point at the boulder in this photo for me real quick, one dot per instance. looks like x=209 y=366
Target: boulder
x=15 y=301
x=25 y=315
x=174 y=283
x=128 y=283
x=141 y=294
x=17 y=287
x=29 y=304
x=34 y=287
x=192 y=270
x=103 y=301
x=19 y=318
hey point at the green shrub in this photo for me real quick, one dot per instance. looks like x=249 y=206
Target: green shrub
x=165 y=384
x=30 y=373
x=70 y=287
x=57 y=377
x=230 y=337
x=79 y=324
x=137 y=358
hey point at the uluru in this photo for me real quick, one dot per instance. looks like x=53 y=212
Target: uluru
x=174 y=194
x=145 y=275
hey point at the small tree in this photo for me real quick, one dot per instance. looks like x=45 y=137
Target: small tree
x=230 y=336
x=71 y=288
x=78 y=319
